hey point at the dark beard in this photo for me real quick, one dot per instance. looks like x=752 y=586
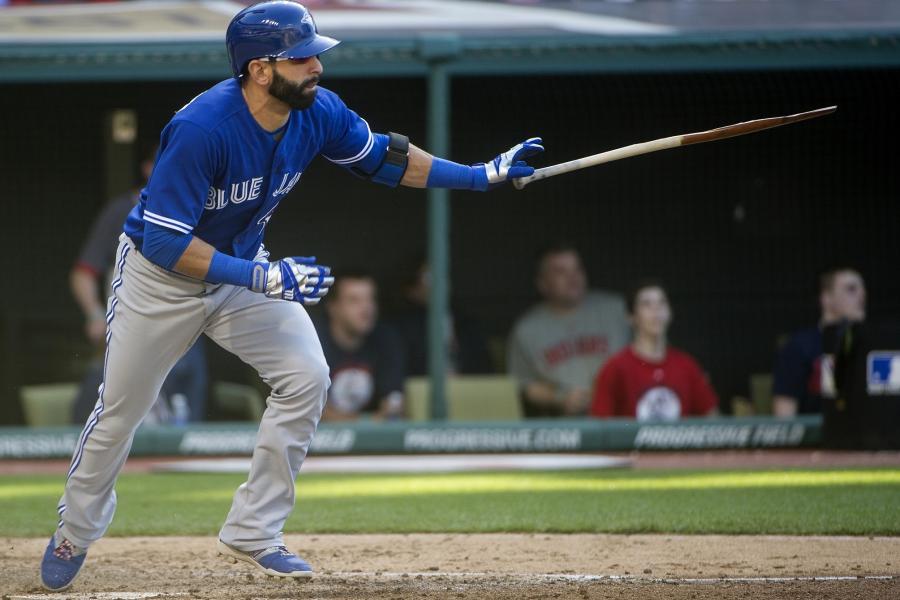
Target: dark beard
x=295 y=95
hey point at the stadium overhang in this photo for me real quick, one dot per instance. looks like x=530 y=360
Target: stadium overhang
x=164 y=40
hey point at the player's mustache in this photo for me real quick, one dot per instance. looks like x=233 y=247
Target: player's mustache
x=314 y=80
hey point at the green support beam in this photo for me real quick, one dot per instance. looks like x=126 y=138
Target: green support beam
x=438 y=51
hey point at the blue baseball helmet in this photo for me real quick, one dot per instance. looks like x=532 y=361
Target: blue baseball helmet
x=277 y=29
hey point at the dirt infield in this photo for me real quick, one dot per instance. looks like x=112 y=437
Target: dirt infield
x=487 y=566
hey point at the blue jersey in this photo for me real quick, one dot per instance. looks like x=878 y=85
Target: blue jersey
x=220 y=176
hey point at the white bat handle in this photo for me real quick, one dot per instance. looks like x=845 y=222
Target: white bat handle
x=597 y=159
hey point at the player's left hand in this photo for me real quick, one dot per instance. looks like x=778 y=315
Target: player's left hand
x=299 y=279
x=511 y=164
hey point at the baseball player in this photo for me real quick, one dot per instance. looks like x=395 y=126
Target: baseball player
x=191 y=261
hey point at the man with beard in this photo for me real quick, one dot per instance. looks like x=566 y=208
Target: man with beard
x=191 y=261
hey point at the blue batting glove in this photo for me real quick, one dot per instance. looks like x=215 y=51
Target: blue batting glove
x=510 y=164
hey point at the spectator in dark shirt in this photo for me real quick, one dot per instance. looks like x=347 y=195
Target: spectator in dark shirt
x=797 y=387
x=467 y=351
x=366 y=358
x=651 y=380
x=90 y=281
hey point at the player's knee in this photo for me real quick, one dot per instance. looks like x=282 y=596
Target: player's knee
x=307 y=377
x=321 y=377
x=116 y=419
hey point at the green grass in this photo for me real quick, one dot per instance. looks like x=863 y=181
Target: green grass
x=849 y=502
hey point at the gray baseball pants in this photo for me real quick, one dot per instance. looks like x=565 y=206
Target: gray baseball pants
x=153 y=317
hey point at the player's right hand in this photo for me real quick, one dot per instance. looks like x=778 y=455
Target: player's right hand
x=511 y=164
x=298 y=279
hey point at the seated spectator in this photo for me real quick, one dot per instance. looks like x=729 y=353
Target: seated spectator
x=797 y=387
x=651 y=380
x=186 y=385
x=366 y=358
x=558 y=346
x=467 y=351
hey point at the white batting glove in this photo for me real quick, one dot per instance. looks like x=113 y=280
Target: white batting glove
x=298 y=279
x=511 y=164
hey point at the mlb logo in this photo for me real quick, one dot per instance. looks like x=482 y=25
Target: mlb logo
x=883 y=372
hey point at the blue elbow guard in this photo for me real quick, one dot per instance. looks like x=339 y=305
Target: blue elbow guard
x=393 y=164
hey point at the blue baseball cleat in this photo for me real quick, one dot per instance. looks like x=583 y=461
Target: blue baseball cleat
x=275 y=561
x=61 y=563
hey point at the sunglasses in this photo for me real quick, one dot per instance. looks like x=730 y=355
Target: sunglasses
x=293 y=61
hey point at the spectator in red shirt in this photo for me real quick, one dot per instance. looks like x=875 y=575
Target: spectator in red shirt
x=650 y=380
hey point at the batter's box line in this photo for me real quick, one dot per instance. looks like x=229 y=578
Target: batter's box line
x=567 y=577
x=531 y=578
x=97 y=596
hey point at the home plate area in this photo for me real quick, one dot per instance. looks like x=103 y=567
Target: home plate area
x=504 y=566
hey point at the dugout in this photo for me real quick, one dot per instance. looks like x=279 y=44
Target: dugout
x=738 y=230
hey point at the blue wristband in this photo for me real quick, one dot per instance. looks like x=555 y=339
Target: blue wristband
x=237 y=271
x=448 y=174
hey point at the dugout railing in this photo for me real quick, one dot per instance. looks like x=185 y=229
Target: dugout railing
x=406 y=437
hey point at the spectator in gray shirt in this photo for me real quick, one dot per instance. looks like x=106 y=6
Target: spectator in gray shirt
x=90 y=281
x=559 y=345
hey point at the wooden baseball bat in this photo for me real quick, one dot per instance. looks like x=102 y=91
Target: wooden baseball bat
x=674 y=141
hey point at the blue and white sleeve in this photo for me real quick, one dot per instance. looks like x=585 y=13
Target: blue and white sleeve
x=348 y=140
x=181 y=178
